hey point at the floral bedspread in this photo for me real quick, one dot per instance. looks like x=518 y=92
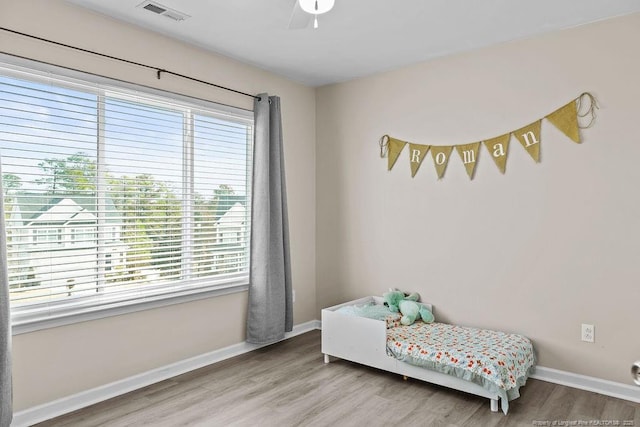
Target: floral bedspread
x=498 y=361
x=393 y=321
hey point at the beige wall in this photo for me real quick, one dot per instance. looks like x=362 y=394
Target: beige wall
x=54 y=363
x=539 y=250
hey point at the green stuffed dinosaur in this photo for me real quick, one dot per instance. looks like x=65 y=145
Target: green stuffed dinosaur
x=408 y=306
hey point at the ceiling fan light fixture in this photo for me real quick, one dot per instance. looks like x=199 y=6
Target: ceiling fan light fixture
x=316 y=7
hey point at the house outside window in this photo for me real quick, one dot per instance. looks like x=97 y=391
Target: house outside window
x=114 y=197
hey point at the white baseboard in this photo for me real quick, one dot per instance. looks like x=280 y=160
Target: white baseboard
x=583 y=382
x=83 y=399
x=86 y=398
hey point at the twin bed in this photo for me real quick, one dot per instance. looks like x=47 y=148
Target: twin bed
x=486 y=363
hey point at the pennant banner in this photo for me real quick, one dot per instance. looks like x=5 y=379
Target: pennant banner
x=395 y=148
x=498 y=148
x=529 y=137
x=565 y=118
x=469 y=156
x=441 y=156
x=416 y=156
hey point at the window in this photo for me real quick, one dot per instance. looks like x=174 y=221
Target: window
x=115 y=197
x=83 y=235
x=47 y=235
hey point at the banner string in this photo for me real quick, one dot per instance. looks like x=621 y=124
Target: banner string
x=384 y=146
x=591 y=110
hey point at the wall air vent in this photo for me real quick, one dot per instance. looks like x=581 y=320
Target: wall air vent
x=159 y=9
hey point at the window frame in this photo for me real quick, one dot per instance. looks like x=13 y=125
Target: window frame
x=27 y=319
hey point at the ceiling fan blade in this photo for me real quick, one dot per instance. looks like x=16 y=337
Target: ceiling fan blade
x=299 y=18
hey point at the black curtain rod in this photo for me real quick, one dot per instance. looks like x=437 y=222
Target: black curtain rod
x=158 y=71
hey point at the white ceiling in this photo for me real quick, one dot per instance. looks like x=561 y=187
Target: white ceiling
x=358 y=37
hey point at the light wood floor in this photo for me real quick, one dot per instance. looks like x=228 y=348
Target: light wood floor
x=287 y=384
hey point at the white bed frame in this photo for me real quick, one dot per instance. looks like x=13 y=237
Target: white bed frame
x=364 y=340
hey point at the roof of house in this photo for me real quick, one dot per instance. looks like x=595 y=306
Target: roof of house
x=60 y=207
x=32 y=206
x=228 y=201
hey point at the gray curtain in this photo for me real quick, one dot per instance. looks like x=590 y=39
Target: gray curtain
x=270 y=311
x=6 y=395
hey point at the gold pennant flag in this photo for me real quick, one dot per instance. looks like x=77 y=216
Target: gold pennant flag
x=395 y=147
x=417 y=153
x=469 y=155
x=498 y=148
x=529 y=137
x=566 y=119
x=441 y=156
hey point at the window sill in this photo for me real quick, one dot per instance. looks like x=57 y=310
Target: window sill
x=84 y=314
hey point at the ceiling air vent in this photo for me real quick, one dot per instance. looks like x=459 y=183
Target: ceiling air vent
x=159 y=9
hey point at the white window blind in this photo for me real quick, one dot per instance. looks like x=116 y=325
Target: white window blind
x=113 y=196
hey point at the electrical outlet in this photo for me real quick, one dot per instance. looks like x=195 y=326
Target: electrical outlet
x=588 y=333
